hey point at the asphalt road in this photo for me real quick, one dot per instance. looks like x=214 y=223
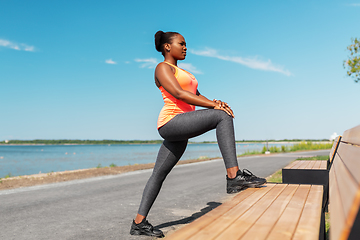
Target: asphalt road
x=103 y=207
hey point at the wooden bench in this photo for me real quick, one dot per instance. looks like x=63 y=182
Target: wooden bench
x=306 y=172
x=310 y=172
x=275 y=211
x=344 y=188
x=290 y=211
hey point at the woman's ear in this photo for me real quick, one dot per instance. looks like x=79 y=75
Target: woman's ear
x=167 y=47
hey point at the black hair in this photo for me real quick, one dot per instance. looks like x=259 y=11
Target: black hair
x=161 y=38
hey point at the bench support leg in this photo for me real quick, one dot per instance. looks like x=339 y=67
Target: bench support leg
x=322 y=232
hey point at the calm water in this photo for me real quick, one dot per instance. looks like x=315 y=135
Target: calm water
x=25 y=160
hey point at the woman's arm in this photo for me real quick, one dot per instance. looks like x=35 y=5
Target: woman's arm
x=165 y=77
x=222 y=105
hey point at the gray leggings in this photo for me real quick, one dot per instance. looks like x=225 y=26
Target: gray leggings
x=176 y=134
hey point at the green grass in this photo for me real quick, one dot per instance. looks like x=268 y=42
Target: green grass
x=276 y=177
x=247 y=152
x=113 y=165
x=325 y=157
x=327 y=225
x=9 y=175
x=99 y=165
x=298 y=147
x=308 y=146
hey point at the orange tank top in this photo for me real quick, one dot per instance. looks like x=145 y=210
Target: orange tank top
x=173 y=106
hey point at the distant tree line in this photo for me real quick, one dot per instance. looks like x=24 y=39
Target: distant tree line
x=89 y=142
x=286 y=140
x=76 y=141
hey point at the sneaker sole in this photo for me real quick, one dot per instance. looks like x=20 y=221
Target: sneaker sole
x=137 y=232
x=235 y=189
x=256 y=185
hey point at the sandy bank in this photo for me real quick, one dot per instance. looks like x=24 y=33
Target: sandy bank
x=44 y=178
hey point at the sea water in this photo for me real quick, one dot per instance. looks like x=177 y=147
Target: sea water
x=16 y=160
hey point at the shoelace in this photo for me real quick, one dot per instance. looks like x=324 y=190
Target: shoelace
x=247 y=174
x=148 y=225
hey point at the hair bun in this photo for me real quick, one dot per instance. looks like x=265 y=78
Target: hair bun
x=161 y=38
x=158 y=43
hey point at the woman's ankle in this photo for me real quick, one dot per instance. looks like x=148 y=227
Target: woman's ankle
x=139 y=218
x=232 y=172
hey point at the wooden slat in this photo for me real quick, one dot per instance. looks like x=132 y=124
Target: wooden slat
x=348 y=174
x=333 y=149
x=317 y=165
x=291 y=165
x=298 y=164
x=309 y=224
x=348 y=185
x=351 y=216
x=265 y=223
x=303 y=164
x=243 y=223
x=254 y=216
x=310 y=165
x=323 y=165
x=286 y=225
x=189 y=230
x=350 y=155
x=352 y=135
x=337 y=218
x=223 y=222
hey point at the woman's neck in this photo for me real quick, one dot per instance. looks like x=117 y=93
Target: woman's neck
x=173 y=61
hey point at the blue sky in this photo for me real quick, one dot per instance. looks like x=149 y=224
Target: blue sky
x=84 y=69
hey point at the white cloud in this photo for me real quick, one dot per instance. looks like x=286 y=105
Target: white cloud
x=30 y=48
x=16 y=46
x=110 y=61
x=333 y=136
x=253 y=62
x=147 y=63
x=189 y=67
x=354 y=4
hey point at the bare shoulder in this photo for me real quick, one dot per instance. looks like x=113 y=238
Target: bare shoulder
x=163 y=67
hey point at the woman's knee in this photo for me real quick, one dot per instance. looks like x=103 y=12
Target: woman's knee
x=222 y=115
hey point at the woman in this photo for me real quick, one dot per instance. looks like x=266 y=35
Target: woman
x=178 y=121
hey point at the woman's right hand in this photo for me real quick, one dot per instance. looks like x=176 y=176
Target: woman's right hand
x=220 y=105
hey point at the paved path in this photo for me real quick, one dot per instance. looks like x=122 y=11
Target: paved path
x=103 y=207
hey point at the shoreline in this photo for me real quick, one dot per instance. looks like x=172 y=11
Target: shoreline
x=79 y=144
x=54 y=177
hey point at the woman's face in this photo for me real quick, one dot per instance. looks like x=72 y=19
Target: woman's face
x=178 y=47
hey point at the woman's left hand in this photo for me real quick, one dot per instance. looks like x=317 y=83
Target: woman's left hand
x=224 y=106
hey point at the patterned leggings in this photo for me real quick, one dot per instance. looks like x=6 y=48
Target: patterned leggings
x=176 y=134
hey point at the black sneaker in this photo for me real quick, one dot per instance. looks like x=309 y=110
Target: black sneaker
x=244 y=179
x=145 y=228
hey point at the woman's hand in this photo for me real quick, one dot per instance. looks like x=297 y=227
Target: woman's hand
x=223 y=106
